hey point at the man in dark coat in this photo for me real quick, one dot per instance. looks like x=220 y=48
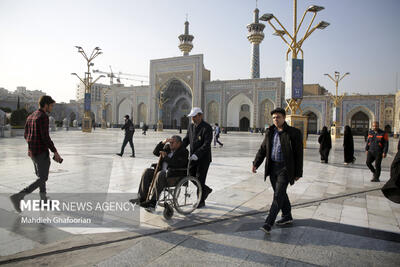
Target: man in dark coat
x=199 y=136
x=391 y=189
x=376 y=149
x=129 y=131
x=282 y=149
x=174 y=156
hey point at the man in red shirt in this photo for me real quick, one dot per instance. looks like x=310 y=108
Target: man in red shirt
x=39 y=143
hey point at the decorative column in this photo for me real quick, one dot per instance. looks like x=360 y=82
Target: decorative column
x=255 y=36
x=186 y=40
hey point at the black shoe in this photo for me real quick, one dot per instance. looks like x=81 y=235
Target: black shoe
x=135 y=201
x=284 y=220
x=16 y=201
x=119 y=154
x=202 y=204
x=206 y=193
x=132 y=156
x=375 y=180
x=149 y=204
x=266 y=228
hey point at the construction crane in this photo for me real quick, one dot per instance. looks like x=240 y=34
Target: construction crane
x=140 y=79
x=123 y=78
x=136 y=75
x=113 y=75
x=109 y=74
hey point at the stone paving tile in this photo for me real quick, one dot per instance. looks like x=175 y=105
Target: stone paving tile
x=358 y=201
x=354 y=213
x=91 y=166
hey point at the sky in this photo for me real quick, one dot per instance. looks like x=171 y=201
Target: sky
x=38 y=39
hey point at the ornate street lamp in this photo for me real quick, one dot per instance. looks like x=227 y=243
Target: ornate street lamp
x=87 y=81
x=294 y=67
x=337 y=100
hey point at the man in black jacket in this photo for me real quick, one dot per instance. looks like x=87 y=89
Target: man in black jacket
x=199 y=136
x=282 y=149
x=376 y=149
x=129 y=131
x=173 y=156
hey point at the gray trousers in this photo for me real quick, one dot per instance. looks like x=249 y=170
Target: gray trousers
x=41 y=164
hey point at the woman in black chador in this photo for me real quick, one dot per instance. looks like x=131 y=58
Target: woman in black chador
x=348 y=144
x=325 y=142
x=391 y=189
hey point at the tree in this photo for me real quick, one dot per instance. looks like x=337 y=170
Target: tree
x=18 y=117
x=6 y=109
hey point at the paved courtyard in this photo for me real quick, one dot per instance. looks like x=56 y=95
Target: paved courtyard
x=341 y=218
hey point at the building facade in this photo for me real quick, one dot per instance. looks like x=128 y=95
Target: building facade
x=179 y=83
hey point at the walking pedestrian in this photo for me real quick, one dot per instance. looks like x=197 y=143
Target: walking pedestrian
x=348 y=146
x=217 y=132
x=325 y=142
x=199 y=136
x=39 y=142
x=144 y=128
x=282 y=149
x=376 y=149
x=129 y=131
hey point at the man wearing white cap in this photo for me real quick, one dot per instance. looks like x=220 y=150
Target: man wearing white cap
x=199 y=136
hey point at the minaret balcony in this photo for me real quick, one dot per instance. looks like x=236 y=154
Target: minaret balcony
x=255 y=37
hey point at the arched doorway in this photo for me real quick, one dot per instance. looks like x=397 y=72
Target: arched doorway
x=181 y=109
x=265 y=118
x=178 y=103
x=108 y=113
x=312 y=127
x=244 y=124
x=142 y=113
x=125 y=107
x=72 y=117
x=212 y=113
x=239 y=106
x=359 y=123
x=184 y=122
x=244 y=115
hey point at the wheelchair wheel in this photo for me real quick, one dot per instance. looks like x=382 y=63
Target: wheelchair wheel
x=187 y=195
x=168 y=211
x=165 y=196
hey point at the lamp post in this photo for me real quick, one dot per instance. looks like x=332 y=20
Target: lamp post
x=103 y=105
x=161 y=100
x=294 y=67
x=87 y=81
x=337 y=99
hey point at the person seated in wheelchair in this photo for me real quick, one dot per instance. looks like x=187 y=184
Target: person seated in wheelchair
x=172 y=165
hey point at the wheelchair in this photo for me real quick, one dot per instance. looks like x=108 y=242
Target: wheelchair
x=182 y=193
